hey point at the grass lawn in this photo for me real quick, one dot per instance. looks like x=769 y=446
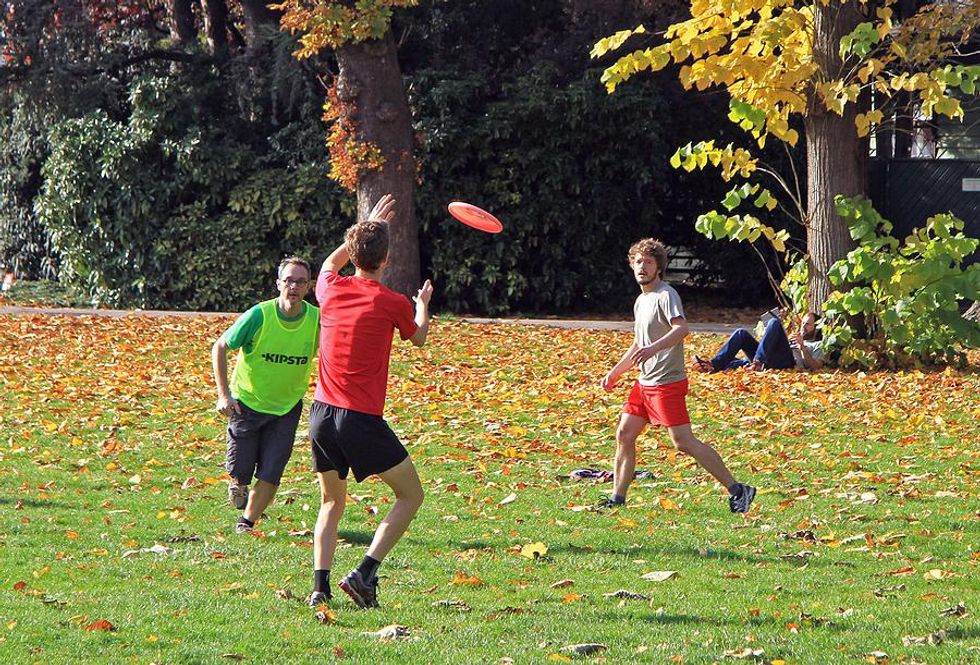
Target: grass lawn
x=864 y=540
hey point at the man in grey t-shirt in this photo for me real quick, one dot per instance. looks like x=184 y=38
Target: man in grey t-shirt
x=659 y=396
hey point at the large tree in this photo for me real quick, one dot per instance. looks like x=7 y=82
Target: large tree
x=834 y=67
x=371 y=138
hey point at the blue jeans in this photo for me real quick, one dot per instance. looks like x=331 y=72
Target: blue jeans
x=773 y=350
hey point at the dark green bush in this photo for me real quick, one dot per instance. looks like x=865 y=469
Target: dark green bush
x=574 y=175
x=174 y=207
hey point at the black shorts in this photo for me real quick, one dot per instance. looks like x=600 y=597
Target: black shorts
x=260 y=443
x=346 y=440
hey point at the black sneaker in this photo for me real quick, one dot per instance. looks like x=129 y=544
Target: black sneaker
x=739 y=503
x=318 y=598
x=363 y=593
x=609 y=504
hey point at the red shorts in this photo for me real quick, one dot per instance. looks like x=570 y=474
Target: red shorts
x=664 y=405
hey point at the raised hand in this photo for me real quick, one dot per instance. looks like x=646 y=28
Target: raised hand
x=383 y=210
x=424 y=294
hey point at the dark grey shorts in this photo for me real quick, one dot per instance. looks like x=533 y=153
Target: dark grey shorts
x=345 y=440
x=260 y=443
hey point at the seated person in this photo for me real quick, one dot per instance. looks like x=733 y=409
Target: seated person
x=773 y=351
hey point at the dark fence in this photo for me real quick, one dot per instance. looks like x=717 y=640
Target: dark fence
x=908 y=191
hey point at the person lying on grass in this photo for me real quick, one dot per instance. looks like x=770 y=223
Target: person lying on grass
x=774 y=351
x=358 y=318
x=276 y=342
x=659 y=395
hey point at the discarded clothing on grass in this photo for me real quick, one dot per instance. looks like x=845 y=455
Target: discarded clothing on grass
x=603 y=474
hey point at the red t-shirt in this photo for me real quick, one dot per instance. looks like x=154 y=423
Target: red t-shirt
x=358 y=318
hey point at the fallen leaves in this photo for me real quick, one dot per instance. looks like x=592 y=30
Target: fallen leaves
x=534 y=550
x=465 y=579
x=957 y=610
x=659 y=575
x=324 y=615
x=390 y=632
x=932 y=639
x=938 y=574
x=102 y=625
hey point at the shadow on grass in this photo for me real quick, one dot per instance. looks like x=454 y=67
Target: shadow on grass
x=33 y=503
x=356 y=537
x=961 y=633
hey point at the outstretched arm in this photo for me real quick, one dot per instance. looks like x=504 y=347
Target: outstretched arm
x=383 y=211
x=422 y=313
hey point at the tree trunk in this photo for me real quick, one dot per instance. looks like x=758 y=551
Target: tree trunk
x=371 y=85
x=258 y=19
x=216 y=27
x=903 y=125
x=180 y=21
x=973 y=314
x=836 y=158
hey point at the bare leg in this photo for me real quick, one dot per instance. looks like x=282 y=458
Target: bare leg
x=685 y=441
x=629 y=428
x=333 y=499
x=259 y=499
x=404 y=482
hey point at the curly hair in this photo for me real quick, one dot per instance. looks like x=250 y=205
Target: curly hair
x=367 y=244
x=653 y=248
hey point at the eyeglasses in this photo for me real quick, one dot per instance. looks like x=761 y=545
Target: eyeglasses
x=295 y=282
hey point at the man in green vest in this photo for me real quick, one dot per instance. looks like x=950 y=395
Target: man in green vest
x=276 y=342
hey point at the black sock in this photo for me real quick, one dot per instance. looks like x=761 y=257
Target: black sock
x=368 y=568
x=321 y=580
x=735 y=489
x=247 y=522
x=618 y=499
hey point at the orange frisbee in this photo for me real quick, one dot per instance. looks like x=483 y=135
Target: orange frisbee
x=476 y=217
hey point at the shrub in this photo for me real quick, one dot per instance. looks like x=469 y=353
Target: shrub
x=898 y=304
x=177 y=205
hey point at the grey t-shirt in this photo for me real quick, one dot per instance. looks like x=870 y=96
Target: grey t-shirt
x=814 y=348
x=652 y=313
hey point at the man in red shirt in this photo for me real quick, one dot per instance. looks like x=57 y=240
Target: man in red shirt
x=358 y=318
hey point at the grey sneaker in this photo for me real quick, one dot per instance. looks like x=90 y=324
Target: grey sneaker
x=318 y=598
x=237 y=495
x=739 y=503
x=363 y=593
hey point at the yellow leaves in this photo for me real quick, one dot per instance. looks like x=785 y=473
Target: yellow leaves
x=534 y=550
x=938 y=574
x=613 y=42
x=653 y=59
x=863 y=121
x=836 y=94
x=660 y=575
x=666 y=503
x=571 y=598
x=330 y=24
x=465 y=579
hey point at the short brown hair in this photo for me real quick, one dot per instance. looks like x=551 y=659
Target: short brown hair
x=367 y=244
x=294 y=261
x=650 y=247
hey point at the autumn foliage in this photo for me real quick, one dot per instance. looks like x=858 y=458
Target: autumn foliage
x=858 y=543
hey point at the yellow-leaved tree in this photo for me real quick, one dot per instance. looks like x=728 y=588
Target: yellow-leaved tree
x=370 y=138
x=838 y=68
